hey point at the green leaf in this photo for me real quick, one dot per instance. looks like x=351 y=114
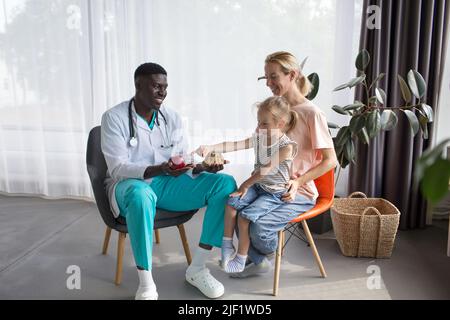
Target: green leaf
x=337 y=149
x=381 y=95
x=343 y=161
x=356 y=81
x=349 y=150
x=363 y=136
x=302 y=65
x=423 y=121
x=373 y=100
x=342 y=86
x=332 y=125
x=314 y=79
x=354 y=106
x=357 y=123
x=430 y=155
x=343 y=136
x=427 y=111
x=406 y=93
x=362 y=60
x=373 y=123
x=416 y=83
x=412 y=118
x=434 y=185
x=380 y=76
x=340 y=110
x=388 y=120
x=427 y=159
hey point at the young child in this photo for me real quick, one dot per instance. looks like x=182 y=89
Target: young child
x=263 y=191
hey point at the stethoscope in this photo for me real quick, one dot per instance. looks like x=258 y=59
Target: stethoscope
x=133 y=138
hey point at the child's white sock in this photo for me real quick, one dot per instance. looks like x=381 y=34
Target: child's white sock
x=198 y=261
x=227 y=251
x=236 y=265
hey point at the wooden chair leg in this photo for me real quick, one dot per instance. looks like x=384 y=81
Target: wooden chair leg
x=187 y=252
x=106 y=240
x=313 y=248
x=283 y=242
x=276 y=276
x=157 y=236
x=120 y=251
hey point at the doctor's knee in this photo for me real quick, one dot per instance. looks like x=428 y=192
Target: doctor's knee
x=227 y=183
x=141 y=193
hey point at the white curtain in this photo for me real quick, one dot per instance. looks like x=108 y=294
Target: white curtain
x=64 y=62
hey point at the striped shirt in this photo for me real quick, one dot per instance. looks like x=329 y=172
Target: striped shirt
x=276 y=179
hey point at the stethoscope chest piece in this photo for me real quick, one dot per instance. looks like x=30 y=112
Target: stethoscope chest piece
x=133 y=142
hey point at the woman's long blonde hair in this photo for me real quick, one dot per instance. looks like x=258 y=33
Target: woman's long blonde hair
x=280 y=110
x=288 y=63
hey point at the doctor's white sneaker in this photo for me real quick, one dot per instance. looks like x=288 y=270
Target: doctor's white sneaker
x=206 y=283
x=146 y=293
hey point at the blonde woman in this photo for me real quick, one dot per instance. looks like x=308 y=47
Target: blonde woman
x=315 y=156
x=262 y=192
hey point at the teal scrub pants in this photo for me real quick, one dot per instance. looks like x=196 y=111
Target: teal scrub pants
x=138 y=201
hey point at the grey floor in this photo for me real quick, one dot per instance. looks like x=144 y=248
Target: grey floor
x=40 y=239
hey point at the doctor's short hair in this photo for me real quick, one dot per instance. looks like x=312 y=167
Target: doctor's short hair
x=147 y=69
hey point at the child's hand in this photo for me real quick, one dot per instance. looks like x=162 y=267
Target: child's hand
x=241 y=192
x=292 y=186
x=203 y=150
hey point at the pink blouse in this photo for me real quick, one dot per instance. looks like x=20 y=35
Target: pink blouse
x=311 y=134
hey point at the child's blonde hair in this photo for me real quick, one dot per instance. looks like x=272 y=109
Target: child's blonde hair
x=280 y=110
x=288 y=63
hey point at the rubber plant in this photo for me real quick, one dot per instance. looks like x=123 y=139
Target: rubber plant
x=372 y=115
x=432 y=172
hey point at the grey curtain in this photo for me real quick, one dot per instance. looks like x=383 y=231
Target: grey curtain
x=413 y=35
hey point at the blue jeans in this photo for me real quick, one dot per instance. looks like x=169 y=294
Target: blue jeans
x=267 y=214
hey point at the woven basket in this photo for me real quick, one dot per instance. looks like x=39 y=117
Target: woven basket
x=365 y=227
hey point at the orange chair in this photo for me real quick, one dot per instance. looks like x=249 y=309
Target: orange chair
x=325 y=187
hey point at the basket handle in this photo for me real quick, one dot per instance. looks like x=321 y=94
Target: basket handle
x=361 y=229
x=357 y=194
x=368 y=209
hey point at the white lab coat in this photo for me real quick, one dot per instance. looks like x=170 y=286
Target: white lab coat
x=124 y=161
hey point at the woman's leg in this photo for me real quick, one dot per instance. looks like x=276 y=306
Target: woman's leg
x=264 y=231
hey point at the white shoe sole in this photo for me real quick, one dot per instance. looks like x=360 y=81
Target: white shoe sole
x=212 y=293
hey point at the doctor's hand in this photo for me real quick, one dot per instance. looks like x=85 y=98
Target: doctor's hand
x=212 y=168
x=165 y=167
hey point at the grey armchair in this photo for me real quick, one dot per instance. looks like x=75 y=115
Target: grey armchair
x=96 y=167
